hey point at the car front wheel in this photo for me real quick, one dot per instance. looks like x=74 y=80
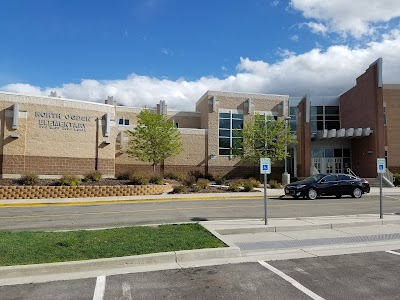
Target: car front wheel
x=312 y=194
x=357 y=193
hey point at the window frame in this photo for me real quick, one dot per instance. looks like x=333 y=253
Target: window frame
x=233 y=116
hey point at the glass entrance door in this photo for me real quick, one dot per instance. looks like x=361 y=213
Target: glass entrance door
x=328 y=164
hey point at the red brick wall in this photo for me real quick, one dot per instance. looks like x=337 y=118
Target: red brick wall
x=362 y=106
x=304 y=141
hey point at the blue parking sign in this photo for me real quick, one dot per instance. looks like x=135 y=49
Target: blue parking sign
x=265 y=165
x=381 y=165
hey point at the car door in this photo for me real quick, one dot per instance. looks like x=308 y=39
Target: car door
x=328 y=185
x=345 y=184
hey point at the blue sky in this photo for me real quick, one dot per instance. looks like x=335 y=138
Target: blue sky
x=146 y=50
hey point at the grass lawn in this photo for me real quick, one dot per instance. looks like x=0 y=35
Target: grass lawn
x=30 y=247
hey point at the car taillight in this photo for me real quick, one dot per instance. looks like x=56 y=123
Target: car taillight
x=366 y=181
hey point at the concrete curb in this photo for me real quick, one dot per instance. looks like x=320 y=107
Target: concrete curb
x=10 y=275
x=125 y=199
x=260 y=228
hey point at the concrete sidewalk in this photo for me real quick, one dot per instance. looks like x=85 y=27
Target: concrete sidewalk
x=246 y=240
x=271 y=193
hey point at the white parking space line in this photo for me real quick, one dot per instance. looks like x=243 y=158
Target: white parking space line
x=292 y=281
x=126 y=291
x=392 y=197
x=393 y=252
x=100 y=288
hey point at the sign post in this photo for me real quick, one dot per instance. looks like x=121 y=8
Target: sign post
x=265 y=168
x=381 y=168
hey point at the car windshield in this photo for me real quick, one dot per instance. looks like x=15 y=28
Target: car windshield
x=314 y=178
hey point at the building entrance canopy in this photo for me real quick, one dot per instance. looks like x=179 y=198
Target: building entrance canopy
x=343 y=133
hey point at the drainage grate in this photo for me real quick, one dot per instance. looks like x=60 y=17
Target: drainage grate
x=285 y=244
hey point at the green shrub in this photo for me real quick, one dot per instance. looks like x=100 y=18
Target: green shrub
x=138 y=180
x=234 y=187
x=123 y=176
x=190 y=180
x=156 y=180
x=209 y=176
x=196 y=188
x=92 y=176
x=70 y=180
x=29 y=179
x=178 y=189
x=203 y=183
x=196 y=174
x=172 y=176
x=396 y=179
x=240 y=181
x=273 y=184
x=254 y=182
x=248 y=186
x=220 y=180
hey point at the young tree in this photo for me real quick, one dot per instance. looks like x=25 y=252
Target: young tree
x=263 y=136
x=154 y=138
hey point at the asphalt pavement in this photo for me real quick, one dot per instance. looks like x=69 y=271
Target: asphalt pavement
x=247 y=241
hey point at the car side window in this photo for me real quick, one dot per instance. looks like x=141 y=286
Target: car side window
x=344 y=177
x=330 y=178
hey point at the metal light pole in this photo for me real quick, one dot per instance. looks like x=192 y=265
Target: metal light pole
x=265 y=175
x=286 y=175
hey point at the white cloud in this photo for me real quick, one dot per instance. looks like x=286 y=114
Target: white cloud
x=318 y=28
x=320 y=72
x=167 y=51
x=294 y=38
x=285 y=53
x=355 y=17
x=23 y=88
x=275 y=3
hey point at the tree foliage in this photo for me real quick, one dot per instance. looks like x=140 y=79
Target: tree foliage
x=263 y=136
x=154 y=139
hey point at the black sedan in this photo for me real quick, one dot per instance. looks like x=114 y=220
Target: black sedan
x=328 y=185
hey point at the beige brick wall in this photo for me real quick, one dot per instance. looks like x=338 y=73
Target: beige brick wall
x=43 y=146
x=55 y=128
x=185 y=119
x=238 y=102
x=391 y=98
x=193 y=156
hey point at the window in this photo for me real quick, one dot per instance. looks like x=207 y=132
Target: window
x=230 y=126
x=384 y=115
x=325 y=117
x=123 y=121
x=344 y=177
x=330 y=178
x=293 y=119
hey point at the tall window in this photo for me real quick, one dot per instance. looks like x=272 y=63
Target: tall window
x=293 y=118
x=384 y=115
x=325 y=117
x=230 y=126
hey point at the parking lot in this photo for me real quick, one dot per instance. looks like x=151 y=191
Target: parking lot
x=355 y=276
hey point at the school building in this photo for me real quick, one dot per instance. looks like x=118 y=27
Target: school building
x=51 y=136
